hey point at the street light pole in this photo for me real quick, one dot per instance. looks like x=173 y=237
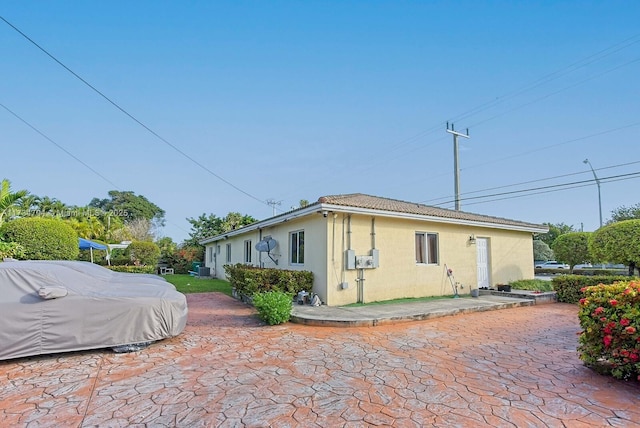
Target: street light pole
x=598 y=183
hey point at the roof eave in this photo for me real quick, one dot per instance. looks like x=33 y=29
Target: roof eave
x=318 y=207
x=410 y=216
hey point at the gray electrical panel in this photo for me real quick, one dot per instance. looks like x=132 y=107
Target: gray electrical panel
x=375 y=253
x=350 y=259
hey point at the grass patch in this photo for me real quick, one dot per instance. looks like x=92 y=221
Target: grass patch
x=189 y=284
x=532 y=285
x=406 y=300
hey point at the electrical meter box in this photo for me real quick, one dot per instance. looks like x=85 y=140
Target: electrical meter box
x=364 y=262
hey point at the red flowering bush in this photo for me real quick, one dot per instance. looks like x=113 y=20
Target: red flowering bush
x=610 y=320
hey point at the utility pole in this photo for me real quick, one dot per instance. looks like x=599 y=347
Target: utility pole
x=598 y=183
x=456 y=169
x=273 y=204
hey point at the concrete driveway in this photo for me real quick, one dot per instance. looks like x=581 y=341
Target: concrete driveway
x=506 y=368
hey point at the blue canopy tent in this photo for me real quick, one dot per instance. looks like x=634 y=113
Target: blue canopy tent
x=85 y=244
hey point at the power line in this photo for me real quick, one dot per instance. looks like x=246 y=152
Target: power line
x=74 y=157
x=552 y=76
x=125 y=112
x=526 y=88
x=548 y=191
x=46 y=137
x=555 y=92
x=531 y=181
x=553 y=186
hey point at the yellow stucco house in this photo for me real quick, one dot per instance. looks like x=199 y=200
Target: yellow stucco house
x=363 y=248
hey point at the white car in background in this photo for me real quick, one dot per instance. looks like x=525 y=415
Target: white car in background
x=551 y=264
x=583 y=266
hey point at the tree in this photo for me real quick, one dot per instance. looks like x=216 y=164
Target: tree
x=143 y=253
x=140 y=229
x=572 y=248
x=617 y=243
x=303 y=203
x=235 y=220
x=555 y=230
x=130 y=207
x=541 y=251
x=625 y=213
x=206 y=226
x=50 y=206
x=8 y=199
x=29 y=203
x=203 y=227
x=167 y=248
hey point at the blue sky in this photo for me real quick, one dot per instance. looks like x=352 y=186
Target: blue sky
x=291 y=100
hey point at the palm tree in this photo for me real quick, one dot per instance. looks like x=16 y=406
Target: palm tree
x=9 y=199
x=28 y=203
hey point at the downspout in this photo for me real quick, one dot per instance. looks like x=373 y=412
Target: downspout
x=260 y=252
x=349 y=232
x=373 y=233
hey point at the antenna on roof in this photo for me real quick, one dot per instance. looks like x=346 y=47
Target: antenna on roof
x=273 y=204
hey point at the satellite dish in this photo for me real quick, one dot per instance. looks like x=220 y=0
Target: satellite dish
x=266 y=245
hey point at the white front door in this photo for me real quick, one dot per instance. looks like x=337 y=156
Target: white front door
x=482 y=248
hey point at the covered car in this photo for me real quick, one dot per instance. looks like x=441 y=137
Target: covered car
x=98 y=271
x=49 y=307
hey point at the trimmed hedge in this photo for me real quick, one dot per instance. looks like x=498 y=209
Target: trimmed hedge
x=42 y=238
x=133 y=269
x=610 y=320
x=593 y=271
x=568 y=287
x=249 y=280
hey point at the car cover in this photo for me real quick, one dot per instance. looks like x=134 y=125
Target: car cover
x=49 y=307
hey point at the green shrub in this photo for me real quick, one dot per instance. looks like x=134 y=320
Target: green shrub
x=11 y=250
x=144 y=253
x=249 y=280
x=569 y=287
x=274 y=307
x=531 y=284
x=610 y=320
x=181 y=260
x=133 y=269
x=42 y=238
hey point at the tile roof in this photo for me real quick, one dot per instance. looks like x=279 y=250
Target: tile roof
x=359 y=200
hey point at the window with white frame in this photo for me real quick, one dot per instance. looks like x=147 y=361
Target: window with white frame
x=296 y=247
x=426 y=248
x=228 y=253
x=210 y=250
x=247 y=251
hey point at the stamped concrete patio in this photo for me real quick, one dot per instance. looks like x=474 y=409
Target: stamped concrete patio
x=513 y=367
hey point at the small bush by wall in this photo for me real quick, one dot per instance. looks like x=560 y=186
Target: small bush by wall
x=610 y=320
x=133 y=269
x=249 y=280
x=274 y=307
x=42 y=238
x=568 y=287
